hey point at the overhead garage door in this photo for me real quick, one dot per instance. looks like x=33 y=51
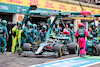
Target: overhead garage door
x=6 y=16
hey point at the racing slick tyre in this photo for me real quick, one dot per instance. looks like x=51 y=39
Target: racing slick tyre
x=72 y=48
x=59 y=49
x=27 y=47
x=96 y=49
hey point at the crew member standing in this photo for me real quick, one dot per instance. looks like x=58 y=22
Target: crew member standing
x=16 y=37
x=81 y=33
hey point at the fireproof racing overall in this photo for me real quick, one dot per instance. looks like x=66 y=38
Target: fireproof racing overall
x=34 y=33
x=3 y=31
x=95 y=41
x=81 y=33
x=29 y=32
x=94 y=32
x=43 y=33
x=16 y=38
x=56 y=29
x=24 y=35
x=71 y=32
x=4 y=23
x=89 y=44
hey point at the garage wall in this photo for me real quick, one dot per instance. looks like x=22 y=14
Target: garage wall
x=6 y=16
x=17 y=17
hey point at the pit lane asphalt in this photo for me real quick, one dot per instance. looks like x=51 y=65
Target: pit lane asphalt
x=14 y=60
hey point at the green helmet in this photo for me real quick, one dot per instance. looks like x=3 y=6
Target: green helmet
x=56 y=23
x=96 y=26
x=44 y=27
x=92 y=24
x=19 y=24
x=71 y=24
x=95 y=38
x=34 y=26
x=4 y=22
x=90 y=36
x=29 y=24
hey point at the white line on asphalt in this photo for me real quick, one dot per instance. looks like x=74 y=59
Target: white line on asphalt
x=66 y=59
x=90 y=64
x=54 y=61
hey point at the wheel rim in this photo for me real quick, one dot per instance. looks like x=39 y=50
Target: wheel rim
x=61 y=51
x=76 y=48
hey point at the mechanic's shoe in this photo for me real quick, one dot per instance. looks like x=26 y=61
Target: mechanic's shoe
x=82 y=55
x=91 y=54
x=14 y=53
x=4 y=53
